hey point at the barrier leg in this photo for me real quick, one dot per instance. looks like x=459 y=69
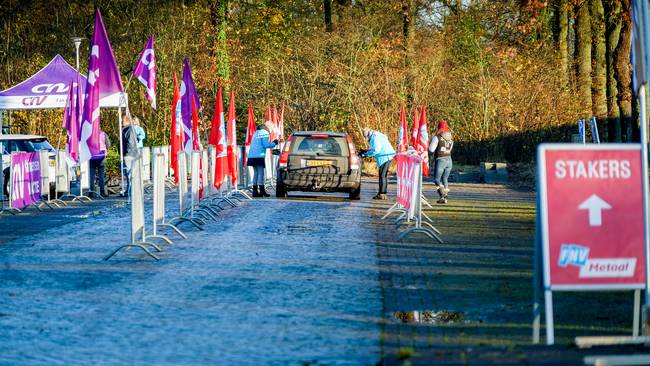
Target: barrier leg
x=181 y=219
x=173 y=228
x=164 y=238
x=132 y=245
x=424 y=200
x=401 y=217
x=45 y=203
x=427 y=232
x=241 y=193
x=432 y=228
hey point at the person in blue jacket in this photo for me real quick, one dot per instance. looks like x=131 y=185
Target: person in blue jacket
x=383 y=152
x=139 y=132
x=256 y=159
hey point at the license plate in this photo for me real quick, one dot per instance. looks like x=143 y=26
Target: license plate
x=319 y=162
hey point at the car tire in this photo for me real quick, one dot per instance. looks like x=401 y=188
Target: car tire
x=355 y=194
x=280 y=190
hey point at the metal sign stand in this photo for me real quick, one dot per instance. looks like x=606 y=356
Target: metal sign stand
x=538 y=278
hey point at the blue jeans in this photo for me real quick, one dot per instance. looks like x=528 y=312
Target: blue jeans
x=442 y=171
x=258 y=175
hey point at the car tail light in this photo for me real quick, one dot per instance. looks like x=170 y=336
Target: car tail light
x=319 y=136
x=284 y=157
x=354 y=158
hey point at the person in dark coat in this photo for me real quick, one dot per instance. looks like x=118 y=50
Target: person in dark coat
x=97 y=165
x=129 y=150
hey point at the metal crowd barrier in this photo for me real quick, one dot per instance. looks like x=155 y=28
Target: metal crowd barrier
x=413 y=215
x=62 y=179
x=185 y=209
x=158 y=211
x=44 y=159
x=138 y=232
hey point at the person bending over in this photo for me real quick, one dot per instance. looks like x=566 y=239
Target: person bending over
x=383 y=152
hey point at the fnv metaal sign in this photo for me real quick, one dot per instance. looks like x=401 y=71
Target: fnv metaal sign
x=592 y=218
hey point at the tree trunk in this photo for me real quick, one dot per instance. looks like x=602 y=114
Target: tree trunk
x=598 y=61
x=408 y=9
x=218 y=16
x=562 y=38
x=583 y=57
x=623 y=70
x=613 y=33
x=327 y=9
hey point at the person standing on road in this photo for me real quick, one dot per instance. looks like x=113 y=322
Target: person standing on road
x=383 y=152
x=139 y=132
x=440 y=146
x=129 y=150
x=97 y=164
x=257 y=158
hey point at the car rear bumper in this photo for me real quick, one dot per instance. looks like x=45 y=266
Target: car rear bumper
x=305 y=181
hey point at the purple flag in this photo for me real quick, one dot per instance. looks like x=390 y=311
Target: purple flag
x=103 y=79
x=145 y=71
x=71 y=119
x=187 y=91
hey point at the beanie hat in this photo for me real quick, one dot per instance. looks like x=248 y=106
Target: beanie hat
x=443 y=126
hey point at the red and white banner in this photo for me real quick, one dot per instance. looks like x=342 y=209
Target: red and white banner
x=408 y=177
x=591 y=205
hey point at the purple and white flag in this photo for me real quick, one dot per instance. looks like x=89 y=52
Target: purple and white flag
x=187 y=91
x=145 y=71
x=103 y=79
x=71 y=117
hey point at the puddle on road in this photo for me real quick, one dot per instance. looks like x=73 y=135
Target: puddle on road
x=429 y=317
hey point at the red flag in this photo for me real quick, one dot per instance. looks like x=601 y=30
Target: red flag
x=416 y=128
x=233 y=164
x=269 y=122
x=218 y=140
x=423 y=142
x=177 y=134
x=196 y=135
x=281 y=123
x=276 y=123
x=402 y=140
x=250 y=129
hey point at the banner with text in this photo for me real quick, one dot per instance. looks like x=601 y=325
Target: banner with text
x=407 y=178
x=591 y=198
x=26 y=179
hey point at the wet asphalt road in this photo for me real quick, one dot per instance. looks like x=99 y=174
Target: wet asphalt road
x=270 y=282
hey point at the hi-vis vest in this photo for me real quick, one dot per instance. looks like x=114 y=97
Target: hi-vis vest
x=444 y=147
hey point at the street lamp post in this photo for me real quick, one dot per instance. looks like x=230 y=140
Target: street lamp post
x=77 y=43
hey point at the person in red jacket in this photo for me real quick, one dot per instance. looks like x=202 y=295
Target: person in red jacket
x=440 y=146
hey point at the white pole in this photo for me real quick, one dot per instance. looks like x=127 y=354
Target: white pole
x=119 y=118
x=644 y=165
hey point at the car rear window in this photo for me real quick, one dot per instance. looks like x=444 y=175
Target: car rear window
x=10 y=146
x=319 y=146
